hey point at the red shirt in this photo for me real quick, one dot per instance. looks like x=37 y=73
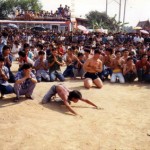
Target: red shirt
x=145 y=66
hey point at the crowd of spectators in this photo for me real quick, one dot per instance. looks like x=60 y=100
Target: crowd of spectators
x=61 y=12
x=119 y=57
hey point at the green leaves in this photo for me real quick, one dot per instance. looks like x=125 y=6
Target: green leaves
x=7 y=7
x=98 y=20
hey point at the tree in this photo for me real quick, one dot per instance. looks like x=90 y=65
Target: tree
x=102 y=20
x=7 y=7
x=30 y=5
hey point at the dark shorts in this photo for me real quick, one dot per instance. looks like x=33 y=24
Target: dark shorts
x=92 y=76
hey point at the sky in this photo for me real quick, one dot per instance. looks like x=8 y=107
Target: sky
x=136 y=10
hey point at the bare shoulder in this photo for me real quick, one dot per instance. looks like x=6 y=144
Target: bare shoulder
x=90 y=60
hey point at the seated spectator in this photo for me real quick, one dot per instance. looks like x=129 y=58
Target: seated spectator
x=27 y=51
x=49 y=51
x=78 y=68
x=125 y=55
x=2 y=44
x=87 y=54
x=143 y=69
x=41 y=67
x=108 y=57
x=25 y=82
x=70 y=59
x=5 y=87
x=93 y=67
x=117 y=66
x=23 y=59
x=15 y=49
x=129 y=70
x=54 y=63
x=60 y=49
x=8 y=62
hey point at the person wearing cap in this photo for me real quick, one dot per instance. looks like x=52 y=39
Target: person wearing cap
x=67 y=96
x=93 y=67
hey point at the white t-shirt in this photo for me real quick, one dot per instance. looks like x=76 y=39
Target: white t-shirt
x=15 y=51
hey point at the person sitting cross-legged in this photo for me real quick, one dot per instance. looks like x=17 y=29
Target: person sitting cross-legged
x=5 y=87
x=25 y=82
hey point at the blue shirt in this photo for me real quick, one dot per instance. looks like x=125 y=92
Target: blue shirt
x=6 y=72
x=26 y=83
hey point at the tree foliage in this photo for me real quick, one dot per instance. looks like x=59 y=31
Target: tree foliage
x=98 y=20
x=8 y=7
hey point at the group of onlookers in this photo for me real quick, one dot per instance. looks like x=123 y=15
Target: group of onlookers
x=61 y=12
x=93 y=57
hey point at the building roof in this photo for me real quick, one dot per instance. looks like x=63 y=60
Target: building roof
x=143 y=24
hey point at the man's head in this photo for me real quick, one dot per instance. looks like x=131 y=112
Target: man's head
x=6 y=50
x=54 y=51
x=109 y=51
x=129 y=60
x=41 y=54
x=144 y=57
x=26 y=68
x=22 y=54
x=97 y=54
x=118 y=54
x=80 y=56
x=125 y=52
x=26 y=48
x=39 y=47
x=74 y=96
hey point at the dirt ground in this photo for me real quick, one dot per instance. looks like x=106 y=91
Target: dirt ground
x=123 y=124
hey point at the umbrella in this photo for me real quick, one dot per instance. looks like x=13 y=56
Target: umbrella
x=12 y=26
x=85 y=31
x=137 y=28
x=144 y=31
x=82 y=28
x=38 y=28
x=101 y=30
